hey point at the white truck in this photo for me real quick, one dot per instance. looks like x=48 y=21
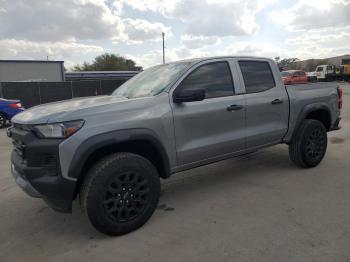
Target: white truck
x=326 y=72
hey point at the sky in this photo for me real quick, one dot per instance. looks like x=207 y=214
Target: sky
x=78 y=30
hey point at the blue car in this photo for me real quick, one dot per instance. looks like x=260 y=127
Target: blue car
x=8 y=109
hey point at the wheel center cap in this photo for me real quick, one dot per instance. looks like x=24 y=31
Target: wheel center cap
x=126 y=196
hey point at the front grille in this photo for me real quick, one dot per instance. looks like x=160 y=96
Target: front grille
x=19 y=148
x=44 y=160
x=33 y=151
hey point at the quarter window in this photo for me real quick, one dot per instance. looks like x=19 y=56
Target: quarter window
x=257 y=76
x=214 y=78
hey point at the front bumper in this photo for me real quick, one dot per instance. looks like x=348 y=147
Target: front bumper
x=24 y=184
x=35 y=168
x=335 y=125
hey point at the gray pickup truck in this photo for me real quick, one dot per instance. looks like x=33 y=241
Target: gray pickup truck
x=111 y=151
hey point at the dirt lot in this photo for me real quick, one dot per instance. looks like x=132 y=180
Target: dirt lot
x=255 y=208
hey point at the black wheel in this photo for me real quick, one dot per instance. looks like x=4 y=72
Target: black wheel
x=309 y=144
x=2 y=120
x=120 y=193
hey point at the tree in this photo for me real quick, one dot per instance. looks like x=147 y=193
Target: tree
x=108 y=62
x=289 y=63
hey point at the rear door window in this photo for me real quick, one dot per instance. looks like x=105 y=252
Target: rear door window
x=257 y=76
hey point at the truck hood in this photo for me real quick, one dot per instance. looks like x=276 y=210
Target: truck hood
x=62 y=110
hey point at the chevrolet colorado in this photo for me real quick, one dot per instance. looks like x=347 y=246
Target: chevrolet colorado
x=111 y=151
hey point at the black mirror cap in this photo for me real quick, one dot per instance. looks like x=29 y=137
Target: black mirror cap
x=189 y=95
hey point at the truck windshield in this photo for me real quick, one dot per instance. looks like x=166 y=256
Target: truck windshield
x=285 y=73
x=319 y=69
x=152 y=81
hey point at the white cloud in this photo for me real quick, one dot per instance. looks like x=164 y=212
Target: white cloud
x=208 y=17
x=154 y=57
x=58 y=20
x=254 y=49
x=136 y=31
x=67 y=20
x=314 y=14
x=194 y=42
x=22 y=49
x=321 y=43
x=161 y=6
x=323 y=27
x=242 y=48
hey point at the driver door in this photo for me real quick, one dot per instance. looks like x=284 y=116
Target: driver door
x=213 y=128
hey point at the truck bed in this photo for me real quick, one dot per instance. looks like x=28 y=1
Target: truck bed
x=303 y=96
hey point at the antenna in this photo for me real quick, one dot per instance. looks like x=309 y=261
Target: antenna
x=163 y=34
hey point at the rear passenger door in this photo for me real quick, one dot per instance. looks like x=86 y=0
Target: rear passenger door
x=215 y=127
x=267 y=103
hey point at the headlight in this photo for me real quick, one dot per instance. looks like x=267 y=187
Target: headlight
x=58 y=130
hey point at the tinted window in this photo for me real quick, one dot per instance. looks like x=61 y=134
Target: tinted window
x=302 y=73
x=215 y=78
x=257 y=76
x=285 y=74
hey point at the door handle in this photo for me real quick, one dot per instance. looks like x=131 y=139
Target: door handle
x=277 y=102
x=234 y=108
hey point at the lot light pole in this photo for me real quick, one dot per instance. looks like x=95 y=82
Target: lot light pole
x=163 y=34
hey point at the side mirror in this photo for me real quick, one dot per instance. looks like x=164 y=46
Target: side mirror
x=189 y=95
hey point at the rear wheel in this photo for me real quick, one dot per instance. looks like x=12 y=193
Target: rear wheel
x=120 y=193
x=309 y=144
x=2 y=120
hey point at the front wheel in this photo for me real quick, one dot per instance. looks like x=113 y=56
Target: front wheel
x=2 y=120
x=309 y=144
x=120 y=193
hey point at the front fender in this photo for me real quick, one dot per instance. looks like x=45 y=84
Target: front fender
x=89 y=146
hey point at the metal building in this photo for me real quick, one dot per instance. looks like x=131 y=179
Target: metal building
x=31 y=70
x=100 y=75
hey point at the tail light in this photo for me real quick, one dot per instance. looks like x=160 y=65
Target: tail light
x=16 y=105
x=340 y=95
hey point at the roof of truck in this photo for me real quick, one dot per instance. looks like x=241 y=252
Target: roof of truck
x=293 y=71
x=195 y=60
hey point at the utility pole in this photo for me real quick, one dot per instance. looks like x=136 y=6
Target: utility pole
x=163 y=34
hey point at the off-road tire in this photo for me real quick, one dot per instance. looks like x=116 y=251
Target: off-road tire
x=309 y=144
x=120 y=193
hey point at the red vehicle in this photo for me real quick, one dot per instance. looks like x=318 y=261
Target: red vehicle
x=290 y=77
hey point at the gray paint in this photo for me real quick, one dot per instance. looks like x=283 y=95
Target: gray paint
x=27 y=70
x=193 y=133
